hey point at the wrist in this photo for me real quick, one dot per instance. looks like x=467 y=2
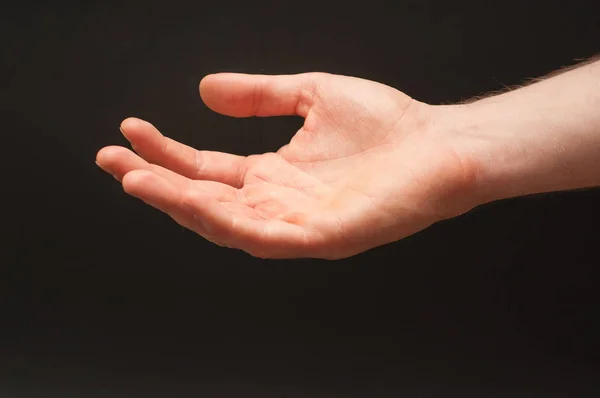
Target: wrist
x=533 y=140
x=495 y=138
x=516 y=148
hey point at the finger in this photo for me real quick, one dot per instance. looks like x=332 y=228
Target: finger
x=165 y=196
x=222 y=223
x=119 y=161
x=243 y=95
x=150 y=144
x=159 y=193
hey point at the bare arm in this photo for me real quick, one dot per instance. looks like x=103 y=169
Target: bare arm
x=539 y=138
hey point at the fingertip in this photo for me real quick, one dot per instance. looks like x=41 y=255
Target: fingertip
x=130 y=122
x=109 y=154
x=206 y=79
x=101 y=155
x=207 y=88
x=210 y=82
x=111 y=160
x=131 y=125
x=215 y=77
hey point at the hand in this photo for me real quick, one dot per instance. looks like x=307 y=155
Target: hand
x=369 y=166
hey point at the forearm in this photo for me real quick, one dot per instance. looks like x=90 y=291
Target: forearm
x=540 y=138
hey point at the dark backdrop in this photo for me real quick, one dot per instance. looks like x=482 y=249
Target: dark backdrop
x=104 y=297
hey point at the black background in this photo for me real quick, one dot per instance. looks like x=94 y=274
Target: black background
x=102 y=296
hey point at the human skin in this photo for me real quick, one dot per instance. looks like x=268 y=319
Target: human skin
x=369 y=166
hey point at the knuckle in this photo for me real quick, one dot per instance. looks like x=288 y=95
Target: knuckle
x=257 y=99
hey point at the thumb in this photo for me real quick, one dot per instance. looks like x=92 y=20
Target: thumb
x=243 y=95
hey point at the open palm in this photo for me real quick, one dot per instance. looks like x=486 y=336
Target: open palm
x=369 y=166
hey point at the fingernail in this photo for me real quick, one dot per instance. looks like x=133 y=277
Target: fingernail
x=123 y=132
x=114 y=176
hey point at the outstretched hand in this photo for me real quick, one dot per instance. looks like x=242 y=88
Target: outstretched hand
x=369 y=166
